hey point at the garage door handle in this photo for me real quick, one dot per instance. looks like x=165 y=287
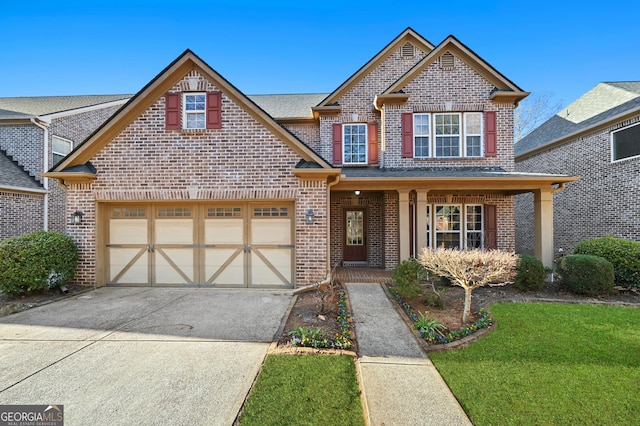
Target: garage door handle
x=151 y=248
x=247 y=248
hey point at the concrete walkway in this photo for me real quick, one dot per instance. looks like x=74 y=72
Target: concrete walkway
x=401 y=385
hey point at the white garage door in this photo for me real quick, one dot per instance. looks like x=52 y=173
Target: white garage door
x=245 y=245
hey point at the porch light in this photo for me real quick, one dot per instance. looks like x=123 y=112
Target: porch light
x=76 y=217
x=308 y=218
x=357 y=192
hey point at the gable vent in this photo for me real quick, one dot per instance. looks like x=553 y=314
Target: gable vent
x=408 y=51
x=447 y=61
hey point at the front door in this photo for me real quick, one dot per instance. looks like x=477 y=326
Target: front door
x=355 y=242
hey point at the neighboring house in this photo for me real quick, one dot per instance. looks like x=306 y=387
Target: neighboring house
x=35 y=134
x=597 y=138
x=194 y=183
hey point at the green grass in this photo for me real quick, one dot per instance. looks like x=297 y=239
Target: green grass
x=550 y=364
x=305 y=390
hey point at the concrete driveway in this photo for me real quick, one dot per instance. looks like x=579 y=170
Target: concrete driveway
x=143 y=356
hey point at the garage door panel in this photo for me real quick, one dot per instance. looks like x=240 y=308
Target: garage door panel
x=270 y=267
x=128 y=231
x=175 y=266
x=174 y=231
x=271 y=231
x=225 y=266
x=129 y=266
x=224 y=231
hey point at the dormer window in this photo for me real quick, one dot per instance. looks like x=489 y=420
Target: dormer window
x=194 y=110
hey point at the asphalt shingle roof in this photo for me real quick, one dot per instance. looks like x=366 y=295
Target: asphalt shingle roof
x=12 y=175
x=288 y=106
x=435 y=172
x=598 y=105
x=43 y=105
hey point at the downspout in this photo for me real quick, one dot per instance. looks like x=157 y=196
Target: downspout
x=329 y=185
x=45 y=167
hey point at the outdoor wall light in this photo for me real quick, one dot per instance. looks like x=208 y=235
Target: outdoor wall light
x=357 y=192
x=76 y=217
x=308 y=218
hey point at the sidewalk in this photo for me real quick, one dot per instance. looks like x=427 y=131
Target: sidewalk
x=401 y=385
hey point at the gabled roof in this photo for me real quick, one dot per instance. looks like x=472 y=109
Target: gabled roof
x=505 y=88
x=604 y=104
x=45 y=105
x=156 y=88
x=15 y=178
x=408 y=35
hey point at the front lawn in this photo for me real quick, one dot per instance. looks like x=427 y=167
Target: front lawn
x=305 y=390
x=550 y=364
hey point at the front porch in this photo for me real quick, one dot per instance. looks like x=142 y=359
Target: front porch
x=344 y=275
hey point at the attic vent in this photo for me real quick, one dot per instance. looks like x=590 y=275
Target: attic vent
x=408 y=51
x=447 y=61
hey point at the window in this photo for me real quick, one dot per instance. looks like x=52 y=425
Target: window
x=473 y=134
x=453 y=229
x=421 y=133
x=355 y=143
x=194 y=110
x=60 y=148
x=447 y=135
x=625 y=143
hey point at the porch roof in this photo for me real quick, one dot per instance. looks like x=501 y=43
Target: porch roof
x=472 y=179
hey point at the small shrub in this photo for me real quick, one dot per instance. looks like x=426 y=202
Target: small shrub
x=586 y=274
x=433 y=300
x=407 y=276
x=37 y=261
x=623 y=254
x=531 y=273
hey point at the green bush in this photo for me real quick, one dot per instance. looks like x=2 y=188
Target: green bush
x=586 y=274
x=407 y=276
x=623 y=254
x=37 y=261
x=531 y=273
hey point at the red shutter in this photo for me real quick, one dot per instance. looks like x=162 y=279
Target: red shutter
x=373 y=142
x=337 y=143
x=407 y=135
x=490 y=138
x=172 y=111
x=214 y=110
x=490 y=227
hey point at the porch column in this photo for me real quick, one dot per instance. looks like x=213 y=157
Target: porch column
x=404 y=243
x=421 y=222
x=543 y=223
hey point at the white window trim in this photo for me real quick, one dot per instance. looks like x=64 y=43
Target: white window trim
x=185 y=113
x=431 y=224
x=613 y=160
x=459 y=134
x=366 y=144
x=462 y=135
x=63 y=154
x=428 y=136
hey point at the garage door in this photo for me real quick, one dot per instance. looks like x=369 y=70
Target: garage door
x=245 y=245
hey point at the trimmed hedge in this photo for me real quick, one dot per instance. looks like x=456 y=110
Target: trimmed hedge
x=37 y=261
x=531 y=273
x=623 y=254
x=586 y=274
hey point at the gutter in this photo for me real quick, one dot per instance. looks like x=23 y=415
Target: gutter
x=45 y=167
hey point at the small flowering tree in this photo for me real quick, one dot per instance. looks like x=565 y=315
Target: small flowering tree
x=471 y=269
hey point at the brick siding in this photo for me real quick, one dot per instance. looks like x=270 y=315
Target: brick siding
x=20 y=214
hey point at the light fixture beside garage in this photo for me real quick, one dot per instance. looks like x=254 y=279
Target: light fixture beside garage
x=76 y=217
x=308 y=218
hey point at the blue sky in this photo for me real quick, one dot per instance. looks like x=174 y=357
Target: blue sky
x=109 y=47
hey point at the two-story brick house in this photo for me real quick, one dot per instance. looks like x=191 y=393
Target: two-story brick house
x=194 y=183
x=35 y=134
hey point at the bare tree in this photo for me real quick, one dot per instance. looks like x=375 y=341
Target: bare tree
x=533 y=111
x=471 y=269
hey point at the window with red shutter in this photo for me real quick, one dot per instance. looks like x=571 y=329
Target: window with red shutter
x=337 y=143
x=407 y=135
x=172 y=111
x=214 y=110
x=490 y=227
x=373 y=142
x=490 y=134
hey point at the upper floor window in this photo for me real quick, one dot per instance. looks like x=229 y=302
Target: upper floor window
x=625 y=143
x=194 y=110
x=443 y=135
x=60 y=148
x=355 y=143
